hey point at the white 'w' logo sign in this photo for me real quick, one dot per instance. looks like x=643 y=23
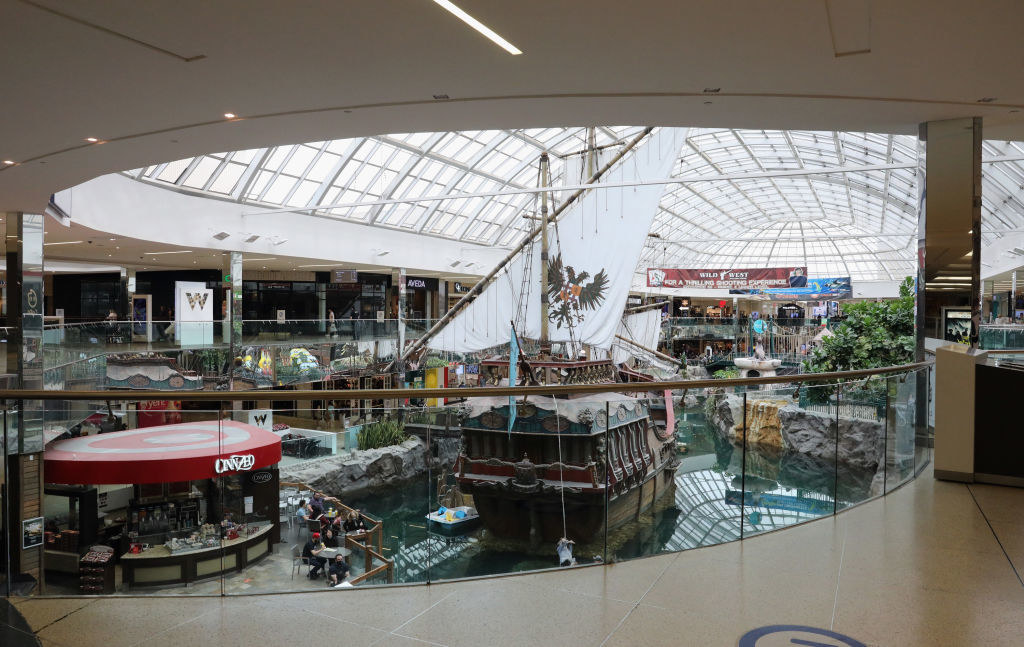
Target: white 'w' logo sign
x=234 y=464
x=261 y=419
x=194 y=298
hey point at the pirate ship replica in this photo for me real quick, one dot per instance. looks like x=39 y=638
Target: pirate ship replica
x=541 y=468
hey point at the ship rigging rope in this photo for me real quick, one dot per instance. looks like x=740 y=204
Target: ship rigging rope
x=561 y=477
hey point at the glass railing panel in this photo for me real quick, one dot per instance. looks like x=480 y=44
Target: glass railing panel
x=1001 y=336
x=924 y=420
x=699 y=467
x=900 y=429
x=785 y=471
x=681 y=502
x=543 y=480
x=861 y=407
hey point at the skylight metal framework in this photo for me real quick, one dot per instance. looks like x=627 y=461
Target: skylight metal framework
x=847 y=222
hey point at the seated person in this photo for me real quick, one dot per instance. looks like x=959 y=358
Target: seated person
x=354 y=522
x=311 y=552
x=303 y=512
x=564 y=550
x=338 y=571
x=316 y=505
x=330 y=539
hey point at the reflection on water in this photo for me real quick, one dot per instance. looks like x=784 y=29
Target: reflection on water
x=779 y=489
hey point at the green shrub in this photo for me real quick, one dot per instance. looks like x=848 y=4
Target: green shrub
x=872 y=335
x=726 y=374
x=435 y=362
x=384 y=433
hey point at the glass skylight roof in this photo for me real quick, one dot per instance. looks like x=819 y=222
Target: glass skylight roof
x=859 y=220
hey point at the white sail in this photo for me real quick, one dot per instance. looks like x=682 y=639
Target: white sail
x=644 y=328
x=598 y=242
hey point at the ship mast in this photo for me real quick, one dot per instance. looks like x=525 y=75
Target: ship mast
x=545 y=169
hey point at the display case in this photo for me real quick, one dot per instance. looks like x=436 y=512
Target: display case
x=182 y=562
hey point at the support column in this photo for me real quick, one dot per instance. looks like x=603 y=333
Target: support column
x=402 y=288
x=23 y=451
x=1011 y=311
x=949 y=248
x=949 y=224
x=233 y=277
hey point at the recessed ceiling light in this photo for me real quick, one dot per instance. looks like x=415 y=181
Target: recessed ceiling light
x=229 y=115
x=10 y=162
x=112 y=239
x=480 y=27
x=91 y=140
x=66 y=242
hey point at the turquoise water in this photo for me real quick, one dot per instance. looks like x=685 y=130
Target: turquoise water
x=782 y=489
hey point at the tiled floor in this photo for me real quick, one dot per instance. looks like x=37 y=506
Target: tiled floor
x=928 y=565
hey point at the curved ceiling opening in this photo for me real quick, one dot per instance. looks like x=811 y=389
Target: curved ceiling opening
x=841 y=203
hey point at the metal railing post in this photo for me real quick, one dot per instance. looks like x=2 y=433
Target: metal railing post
x=743 y=468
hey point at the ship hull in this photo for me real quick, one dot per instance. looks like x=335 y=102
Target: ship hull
x=536 y=517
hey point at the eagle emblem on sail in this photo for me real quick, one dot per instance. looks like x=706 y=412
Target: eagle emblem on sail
x=570 y=294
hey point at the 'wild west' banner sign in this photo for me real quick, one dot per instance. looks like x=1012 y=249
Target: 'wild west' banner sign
x=741 y=279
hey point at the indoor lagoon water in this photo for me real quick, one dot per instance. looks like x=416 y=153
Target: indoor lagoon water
x=777 y=490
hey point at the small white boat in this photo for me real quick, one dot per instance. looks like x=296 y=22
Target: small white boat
x=453 y=520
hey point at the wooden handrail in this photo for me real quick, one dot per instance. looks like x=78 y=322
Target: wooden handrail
x=307 y=395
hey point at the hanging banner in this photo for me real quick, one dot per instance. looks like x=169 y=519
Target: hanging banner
x=742 y=279
x=592 y=255
x=830 y=288
x=513 y=365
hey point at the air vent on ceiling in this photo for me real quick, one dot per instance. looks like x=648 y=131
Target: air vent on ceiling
x=221 y=235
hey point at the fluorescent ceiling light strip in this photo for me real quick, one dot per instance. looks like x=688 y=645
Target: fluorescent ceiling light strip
x=186 y=251
x=66 y=242
x=254 y=260
x=480 y=27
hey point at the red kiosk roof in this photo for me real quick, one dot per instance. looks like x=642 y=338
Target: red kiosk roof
x=184 y=452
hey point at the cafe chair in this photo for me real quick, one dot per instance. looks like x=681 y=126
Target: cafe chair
x=299 y=526
x=313 y=525
x=298 y=561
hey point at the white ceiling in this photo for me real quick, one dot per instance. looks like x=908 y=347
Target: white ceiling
x=129 y=73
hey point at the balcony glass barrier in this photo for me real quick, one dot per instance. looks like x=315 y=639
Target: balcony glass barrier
x=1001 y=336
x=426 y=489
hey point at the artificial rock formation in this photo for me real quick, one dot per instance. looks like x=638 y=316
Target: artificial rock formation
x=351 y=475
x=779 y=425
